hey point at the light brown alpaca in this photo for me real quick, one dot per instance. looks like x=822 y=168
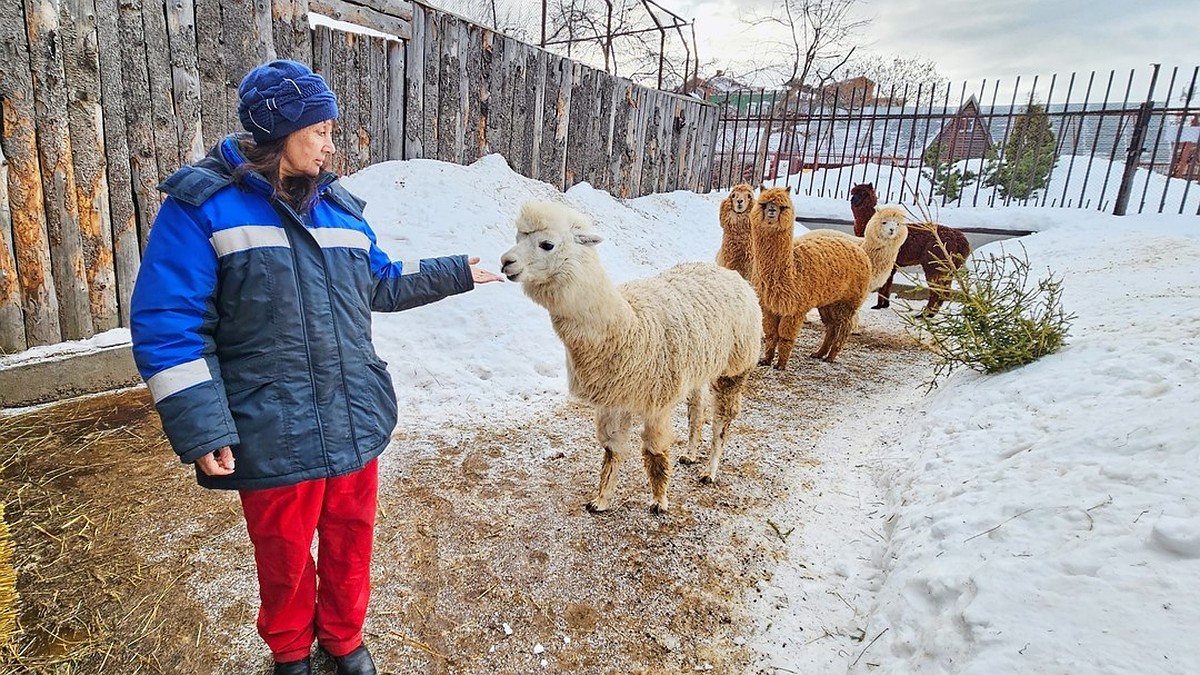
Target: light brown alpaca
x=885 y=233
x=794 y=276
x=734 y=253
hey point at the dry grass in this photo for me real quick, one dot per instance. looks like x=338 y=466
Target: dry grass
x=83 y=481
x=8 y=584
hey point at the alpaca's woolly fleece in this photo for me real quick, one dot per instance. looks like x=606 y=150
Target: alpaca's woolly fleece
x=734 y=253
x=794 y=276
x=642 y=347
x=882 y=238
x=826 y=232
x=673 y=333
x=933 y=246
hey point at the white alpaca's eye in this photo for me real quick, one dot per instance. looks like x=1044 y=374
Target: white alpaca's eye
x=546 y=246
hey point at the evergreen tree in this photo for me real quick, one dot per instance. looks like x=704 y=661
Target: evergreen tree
x=1029 y=155
x=946 y=180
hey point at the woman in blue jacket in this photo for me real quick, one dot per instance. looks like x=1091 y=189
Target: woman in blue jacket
x=251 y=324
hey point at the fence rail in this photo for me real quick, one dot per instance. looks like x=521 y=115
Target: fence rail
x=103 y=99
x=953 y=146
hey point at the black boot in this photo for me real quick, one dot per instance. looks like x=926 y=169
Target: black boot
x=300 y=667
x=357 y=662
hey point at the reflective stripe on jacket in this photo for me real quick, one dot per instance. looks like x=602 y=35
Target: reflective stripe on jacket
x=251 y=324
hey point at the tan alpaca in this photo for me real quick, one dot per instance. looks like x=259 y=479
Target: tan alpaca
x=884 y=234
x=640 y=348
x=794 y=276
x=735 y=231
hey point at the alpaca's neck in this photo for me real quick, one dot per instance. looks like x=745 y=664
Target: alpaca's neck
x=585 y=307
x=735 y=235
x=862 y=215
x=773 y=258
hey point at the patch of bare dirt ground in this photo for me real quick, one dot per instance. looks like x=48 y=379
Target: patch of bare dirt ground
x=485 y=562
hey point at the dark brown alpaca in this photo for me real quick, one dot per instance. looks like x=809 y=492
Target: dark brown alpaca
x=937 y=254
x=862 y=203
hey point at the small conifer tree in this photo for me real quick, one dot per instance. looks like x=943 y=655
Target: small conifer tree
x=946 y=180
x=1029 y=155
x=1000 y=320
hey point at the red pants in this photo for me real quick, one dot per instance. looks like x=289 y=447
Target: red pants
x=296 y=607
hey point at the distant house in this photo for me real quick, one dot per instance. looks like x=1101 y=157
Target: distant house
x=714 y=87
x=852 y=93
x=1186 y=160
x=964 y=136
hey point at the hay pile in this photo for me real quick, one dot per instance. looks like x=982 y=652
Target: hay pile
x=81 y=481
x=8 y=584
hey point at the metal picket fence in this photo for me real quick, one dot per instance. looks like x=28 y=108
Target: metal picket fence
x=944 y=144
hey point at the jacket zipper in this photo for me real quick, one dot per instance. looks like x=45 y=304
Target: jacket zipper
x=312 y=379
x=325 y=181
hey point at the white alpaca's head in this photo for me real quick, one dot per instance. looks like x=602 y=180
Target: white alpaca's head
x=889 y=222
x=553 y=240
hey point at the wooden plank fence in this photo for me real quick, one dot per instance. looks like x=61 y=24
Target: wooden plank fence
x=102 y=99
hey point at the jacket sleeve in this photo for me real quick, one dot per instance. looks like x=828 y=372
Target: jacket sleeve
x=404 y=285
x=172 y=318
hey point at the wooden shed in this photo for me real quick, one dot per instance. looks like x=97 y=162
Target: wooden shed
x=965 y=136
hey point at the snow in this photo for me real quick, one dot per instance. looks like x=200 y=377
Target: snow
x=315 y=19
x=1043 y=520
x=61 y=350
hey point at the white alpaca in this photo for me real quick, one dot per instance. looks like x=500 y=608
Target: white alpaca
x=640 y=348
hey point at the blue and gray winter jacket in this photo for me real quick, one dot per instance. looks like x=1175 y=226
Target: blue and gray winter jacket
x=251 y=324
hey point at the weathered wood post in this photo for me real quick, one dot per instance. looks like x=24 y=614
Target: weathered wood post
x=31 y=247
x=57 y=165
x=81 y=65
x=185 y=78
x=12 y=328
x=123 y=220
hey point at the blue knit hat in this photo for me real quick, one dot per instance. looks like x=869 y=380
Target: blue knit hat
x=281 y=97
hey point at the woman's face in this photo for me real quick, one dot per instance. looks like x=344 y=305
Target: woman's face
x=306 y=150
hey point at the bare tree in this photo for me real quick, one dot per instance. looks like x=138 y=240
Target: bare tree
x=819 y=36
x=513 y=18
x=640 y=39
x=585 y=27
x=818 y=44
x=896 y=73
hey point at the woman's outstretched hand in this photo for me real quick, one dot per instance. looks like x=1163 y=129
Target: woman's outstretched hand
x=480 y=275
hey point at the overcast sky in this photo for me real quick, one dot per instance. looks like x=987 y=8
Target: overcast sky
x=970 y=40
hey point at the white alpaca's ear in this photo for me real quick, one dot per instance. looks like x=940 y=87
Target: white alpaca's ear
x=588 y=239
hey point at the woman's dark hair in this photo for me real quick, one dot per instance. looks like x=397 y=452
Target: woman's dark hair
x=263 y=159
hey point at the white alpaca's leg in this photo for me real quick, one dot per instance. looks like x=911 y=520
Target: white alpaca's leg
x=612 y=430
x=727 y=403
x=656 y=456
x=698 y=413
